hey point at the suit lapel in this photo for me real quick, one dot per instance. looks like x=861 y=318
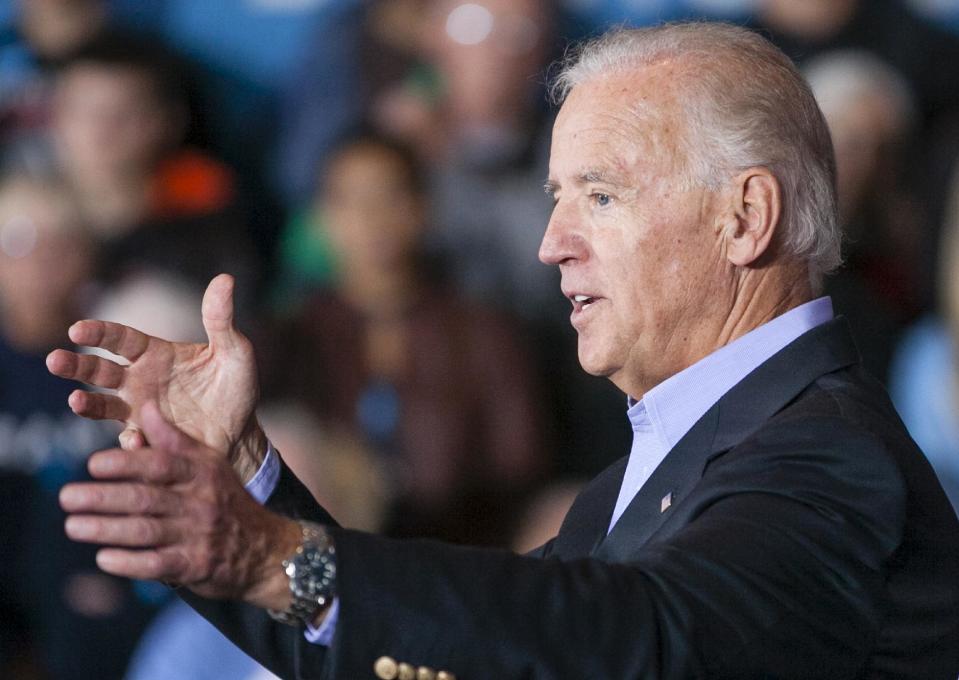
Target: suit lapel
x=666 y=487
x=588 y=519
x=739 y=413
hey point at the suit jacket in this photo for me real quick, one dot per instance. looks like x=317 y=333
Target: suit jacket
x=795 y=531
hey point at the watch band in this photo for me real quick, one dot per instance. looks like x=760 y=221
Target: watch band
x=312 y=573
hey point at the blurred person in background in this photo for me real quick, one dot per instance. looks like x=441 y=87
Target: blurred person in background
x=35 y=38
x=79 y=622
x=483 y=128
x=924 y=381
x=474 y=107
x=408 y=362
x=262 y=65
x=923 y=53
x=120 y=117
x=871 y=113
x=888 y=28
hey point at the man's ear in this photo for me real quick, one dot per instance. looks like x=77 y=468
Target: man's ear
x=753 y=215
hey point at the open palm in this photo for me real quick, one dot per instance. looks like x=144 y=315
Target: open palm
x=208 y=390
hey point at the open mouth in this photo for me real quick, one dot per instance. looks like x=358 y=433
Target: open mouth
x=581 y=302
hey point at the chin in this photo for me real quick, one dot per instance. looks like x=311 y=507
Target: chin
x=594 y=363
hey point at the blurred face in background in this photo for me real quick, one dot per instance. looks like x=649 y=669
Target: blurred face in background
x=869 y=109
x=488 y=53
x=45 y=257
x=54 y=28
x=861 y=131
x=374 y=214
x=109 y=122
x=809 y=19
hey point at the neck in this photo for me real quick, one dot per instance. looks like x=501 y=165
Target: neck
x=757 y=297
x=762 y=296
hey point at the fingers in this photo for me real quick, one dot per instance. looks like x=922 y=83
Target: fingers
x=128 y=342
x=147 y=465
x=86 y=368
x=98 y=406
x=217 y=312
x=130 y=532
x=132 y=439
x=160 y=564
x=130 y=498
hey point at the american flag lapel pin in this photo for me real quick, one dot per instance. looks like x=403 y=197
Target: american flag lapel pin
x=666 y=502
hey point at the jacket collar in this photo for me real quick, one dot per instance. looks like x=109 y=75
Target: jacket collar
x=739 y=413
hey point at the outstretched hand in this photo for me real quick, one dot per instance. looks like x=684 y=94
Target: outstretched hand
x=175 y=511
x=209 y=391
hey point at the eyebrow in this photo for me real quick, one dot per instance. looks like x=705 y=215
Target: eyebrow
x=587 y=177
x=600 y=177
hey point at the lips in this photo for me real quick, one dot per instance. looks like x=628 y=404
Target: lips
x=582 y=302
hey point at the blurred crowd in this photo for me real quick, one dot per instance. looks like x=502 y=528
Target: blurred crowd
x=371 y=172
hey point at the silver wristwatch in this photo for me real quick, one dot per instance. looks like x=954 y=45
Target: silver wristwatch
x=312 y=573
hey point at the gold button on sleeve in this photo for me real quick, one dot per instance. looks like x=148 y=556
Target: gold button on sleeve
x=443 y=675
x=385 y=668
x=425 y=673
x=406 y=672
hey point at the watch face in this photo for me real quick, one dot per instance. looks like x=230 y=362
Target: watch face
x=313 y=573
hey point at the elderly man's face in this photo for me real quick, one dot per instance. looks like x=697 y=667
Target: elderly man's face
x=639 y=248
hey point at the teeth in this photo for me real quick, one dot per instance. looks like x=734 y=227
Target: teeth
x=581 y=298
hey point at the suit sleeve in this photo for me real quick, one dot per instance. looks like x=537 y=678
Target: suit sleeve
x=776 y=572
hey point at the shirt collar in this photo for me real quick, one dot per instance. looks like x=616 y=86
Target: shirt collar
x=673 y=406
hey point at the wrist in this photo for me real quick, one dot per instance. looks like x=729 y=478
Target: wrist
x=271 y=590
x=249 y=451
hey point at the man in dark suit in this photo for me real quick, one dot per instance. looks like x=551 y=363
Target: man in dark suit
x=773 y=519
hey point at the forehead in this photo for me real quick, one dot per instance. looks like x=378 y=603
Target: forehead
x=623 y=121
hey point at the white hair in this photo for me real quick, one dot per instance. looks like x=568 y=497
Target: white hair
x=746 y=105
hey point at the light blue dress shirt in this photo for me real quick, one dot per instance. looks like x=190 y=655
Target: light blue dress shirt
x=659 y=420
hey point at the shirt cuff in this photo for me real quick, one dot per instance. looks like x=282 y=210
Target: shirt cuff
x=264 y=482
x=323 y=634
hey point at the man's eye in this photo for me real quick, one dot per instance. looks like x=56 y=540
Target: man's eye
x=602 y=200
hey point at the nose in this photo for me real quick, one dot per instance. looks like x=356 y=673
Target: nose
x=562 y=242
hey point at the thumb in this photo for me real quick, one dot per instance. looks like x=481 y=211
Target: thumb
x=162 y=434
x=217 y=312
x=132 y=438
